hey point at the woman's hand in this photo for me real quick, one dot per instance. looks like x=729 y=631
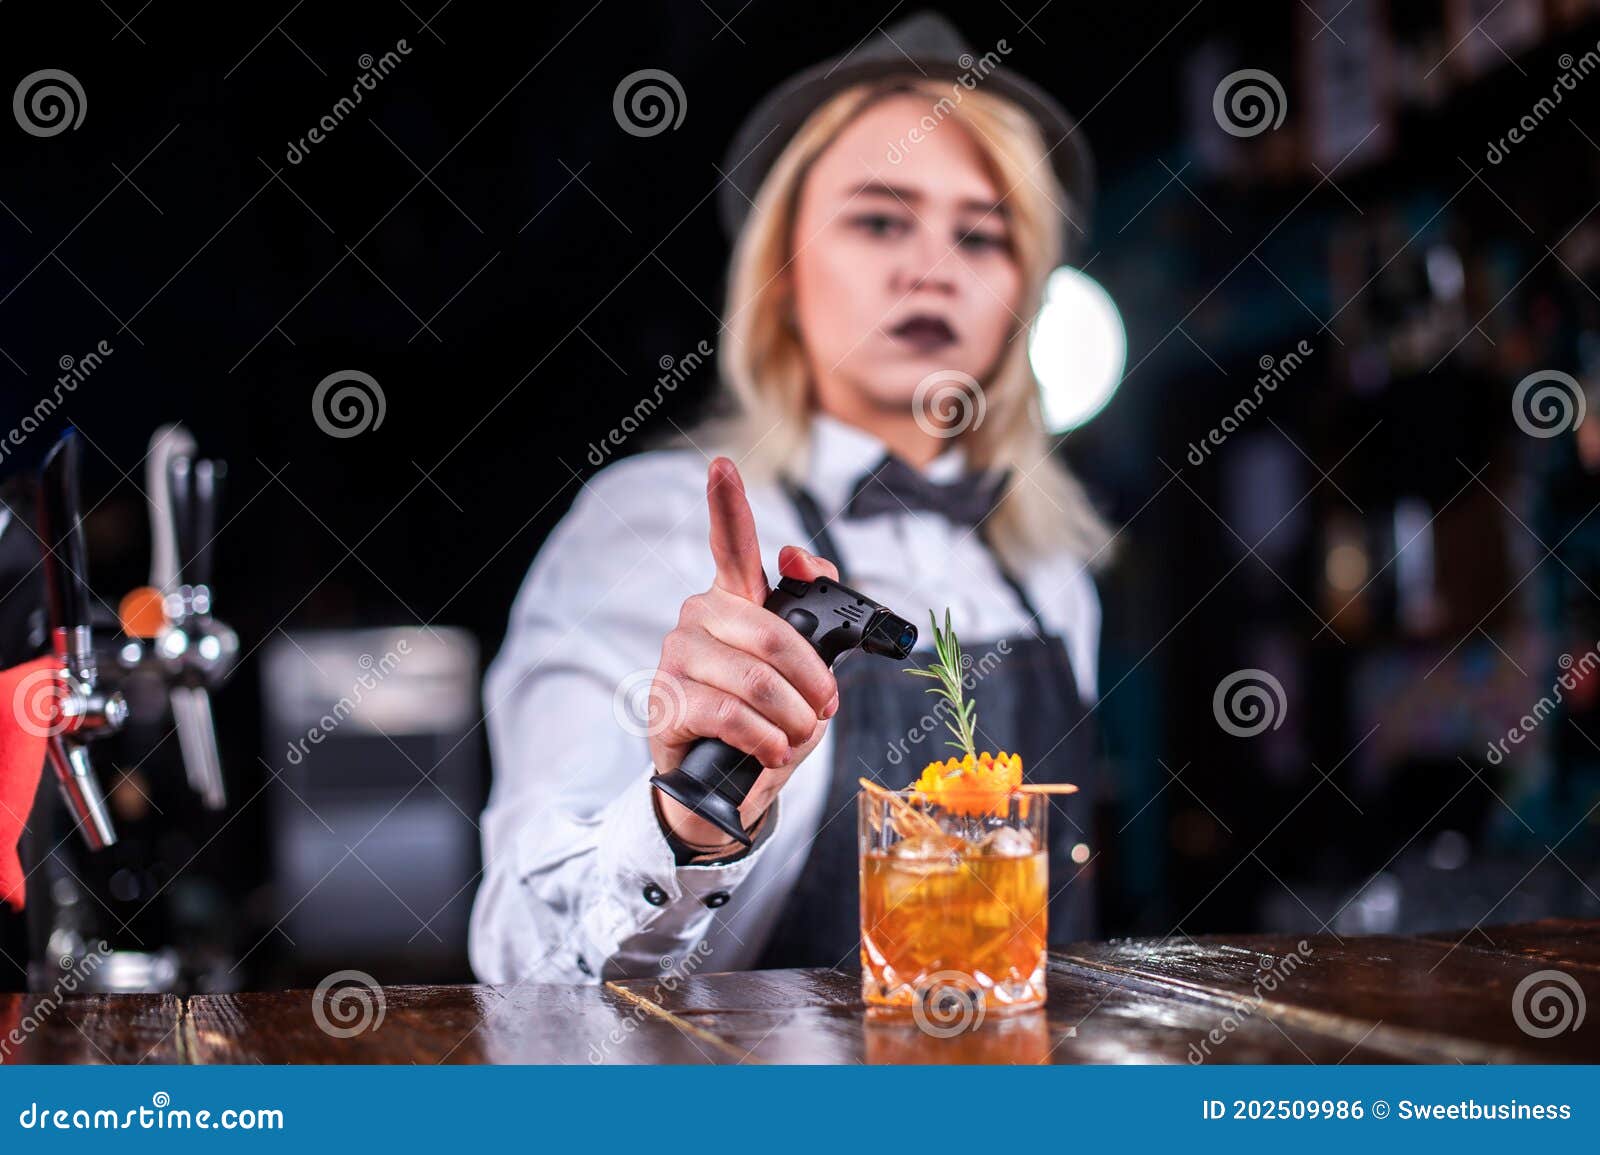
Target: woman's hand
x=734 y=670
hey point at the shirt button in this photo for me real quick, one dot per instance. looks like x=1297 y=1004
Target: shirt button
x=654 y=895
x=717 y=898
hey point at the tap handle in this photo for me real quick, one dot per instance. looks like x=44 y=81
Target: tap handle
x=65 y=564
x=208 y=477
x=180 y=495
x=61 y=530
x=167 y=442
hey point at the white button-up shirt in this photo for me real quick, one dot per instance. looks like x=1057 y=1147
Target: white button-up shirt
x=579 y=882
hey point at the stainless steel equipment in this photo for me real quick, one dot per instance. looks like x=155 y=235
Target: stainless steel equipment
x=83 y=711
x=159 y=903
x=193 y=651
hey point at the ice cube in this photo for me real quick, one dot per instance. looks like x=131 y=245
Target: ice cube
x=923 y=846
x=1008 y=842
x=927 y=853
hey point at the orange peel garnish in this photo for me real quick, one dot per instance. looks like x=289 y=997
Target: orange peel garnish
x=969 y=785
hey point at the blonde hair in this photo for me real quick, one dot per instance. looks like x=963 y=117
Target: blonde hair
x=762 y=360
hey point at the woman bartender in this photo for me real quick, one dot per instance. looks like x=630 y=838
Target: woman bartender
x=896 y=219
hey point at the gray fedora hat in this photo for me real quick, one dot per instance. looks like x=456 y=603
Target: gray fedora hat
x=922 y=45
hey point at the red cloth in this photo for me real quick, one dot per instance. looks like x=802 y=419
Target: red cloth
x=27 y=706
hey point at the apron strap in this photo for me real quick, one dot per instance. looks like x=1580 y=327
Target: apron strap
x=816 y=527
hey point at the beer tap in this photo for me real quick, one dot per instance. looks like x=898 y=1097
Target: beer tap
x=83 y=711
x=192 y=650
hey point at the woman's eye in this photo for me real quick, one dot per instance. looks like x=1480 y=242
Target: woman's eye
x=880 y=225
x=978 y=241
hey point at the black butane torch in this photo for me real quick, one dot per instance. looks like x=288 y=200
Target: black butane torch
x=835 y=619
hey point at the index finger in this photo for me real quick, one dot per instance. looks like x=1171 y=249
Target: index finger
x=734 y=546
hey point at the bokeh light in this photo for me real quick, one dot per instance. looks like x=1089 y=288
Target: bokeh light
x=1078 y=347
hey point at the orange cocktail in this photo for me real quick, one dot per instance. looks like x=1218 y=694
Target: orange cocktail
x=953 y=898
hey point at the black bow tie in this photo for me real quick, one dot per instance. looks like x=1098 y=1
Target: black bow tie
x=892 y=486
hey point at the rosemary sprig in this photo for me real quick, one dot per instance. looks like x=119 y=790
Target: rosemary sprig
x=948 y=671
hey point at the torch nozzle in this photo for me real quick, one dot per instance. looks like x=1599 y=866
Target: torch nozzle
x=889 y=635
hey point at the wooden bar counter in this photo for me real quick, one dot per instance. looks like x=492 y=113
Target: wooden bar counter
x=1378 y=999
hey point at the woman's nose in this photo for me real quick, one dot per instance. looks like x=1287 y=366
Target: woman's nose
x=925 y=263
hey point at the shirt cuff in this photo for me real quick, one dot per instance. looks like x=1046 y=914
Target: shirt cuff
x=640 y=873
x=683 y=854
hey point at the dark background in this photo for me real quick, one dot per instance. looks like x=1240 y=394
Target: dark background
x=483 y=239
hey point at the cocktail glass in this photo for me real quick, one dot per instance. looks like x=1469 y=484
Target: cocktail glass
x=953 y=898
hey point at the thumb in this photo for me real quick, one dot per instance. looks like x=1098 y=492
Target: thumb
x=797 y=563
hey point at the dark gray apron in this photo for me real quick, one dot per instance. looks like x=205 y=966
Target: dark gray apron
x=1027 y=702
